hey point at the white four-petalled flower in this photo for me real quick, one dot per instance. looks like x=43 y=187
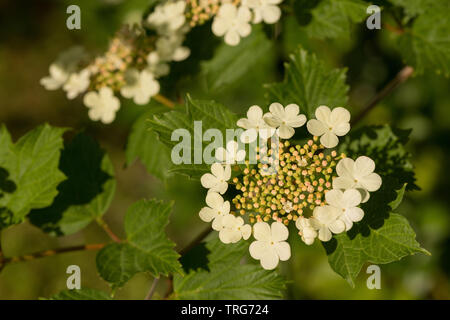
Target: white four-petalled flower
x=357 y=175
x=103 y=105
x=233 y=229
x=284 y=119
x=264 y=10
x=328 y=125
x=254 y=125
x=325 y=220
x=216 y=210
x=217 y=181
x=232 y=22
x=270 y=246
x=231 y=154
x=346 y=202
x=141 y=86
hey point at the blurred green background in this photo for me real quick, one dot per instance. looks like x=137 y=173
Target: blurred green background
x=33 y=33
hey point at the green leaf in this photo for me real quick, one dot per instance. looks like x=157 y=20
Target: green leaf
x=426 y=45
x=227 y=278
x=335 y=18
x=147 y=248
x=81 y=294
x=210 y=114
x=144 y=145
x=230 y=64
x=85 y=195
x=386 y=146
x=415 y=7
x=390 y=242
x=309 y=83
x=31 y=169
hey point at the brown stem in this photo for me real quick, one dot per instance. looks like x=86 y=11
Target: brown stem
x=401 y=77
x=48 y=253
x=152 y=289
x=165 y=101
x=108 y=230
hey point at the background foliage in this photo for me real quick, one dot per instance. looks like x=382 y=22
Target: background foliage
x=363 y=61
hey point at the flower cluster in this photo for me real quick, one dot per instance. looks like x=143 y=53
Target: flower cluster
x=137 y=57
x=309 y=184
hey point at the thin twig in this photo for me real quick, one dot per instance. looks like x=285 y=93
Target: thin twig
x=108 y=230
x=196 y=241
x=165 y=101
x=48 y=253
x=152 y=289
x=401 y=77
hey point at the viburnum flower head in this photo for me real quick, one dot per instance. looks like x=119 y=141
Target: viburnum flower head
x=216 y=181
x=270 y=246
x=329 y=124
x=358 y=175
x=102 y=105
x=325 y=220
x=77 y=83
x=216 y=210
x=284 y=119
x=264 y=10
x=233 y=229
x=254 y=125
x=231 y=154
x=233 y=23
x=346 y=202
x=141 y=86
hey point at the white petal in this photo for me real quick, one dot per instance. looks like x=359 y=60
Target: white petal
x=345 y=167
x=254 y=114
x=351 y=198
x=279 y=231
x=355 y=214
x=244 y=30
x=246 y=231
x=337 y=226
x=258 y=249
x=339 y=115
x=214 y=200
x=208 y=180
x=269 y=261
x=283 y=250
x=207 y=214
x=334 y=198
x=323 y=114
x=285 y=132
x=291 y=110
x=232 y=38
x=372 y=182
x=221 y=187
x=341 y=129
x=329 y=140
x=272 y=120
x=271 y=14
x=316 y=127
x=343 y=183
x=297 y=121
x=365 y=195
x=220 y=26
x=324 y=234
x=262 y=231
x=363 y=166
x=217 y=170
x=227 y=172
x=248 y=136
x=221 y=154
x=277 y=110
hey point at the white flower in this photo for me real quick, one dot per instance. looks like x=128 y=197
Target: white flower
x=217 y=181
x=77 y=83
x=233 y=229
x=284 y=119
x=233 y=23
x=231 y=154
x=287 y=206
x=156 y=66
x=346 y=202
x=254 y=125
x=57 y=78
x=168 y=16
x=270 y=245
x=264 y=10
x=216 y=210
x=358 y=175
x=103 y=105
x=329 y=125
x=325 y=220
x=306 y=230
x=141 y=86
x=170 y=48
